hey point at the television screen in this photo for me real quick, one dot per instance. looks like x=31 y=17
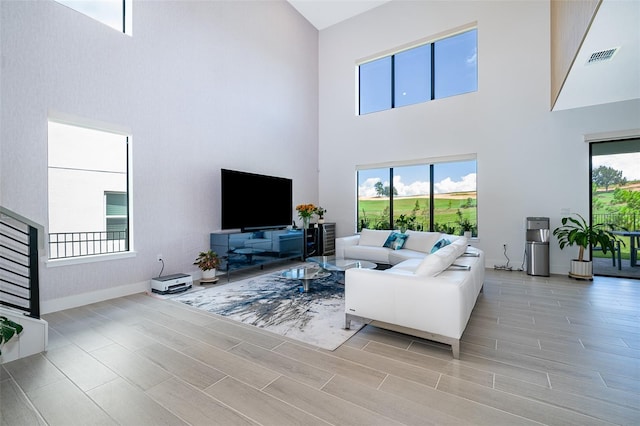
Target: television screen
x=253 y=201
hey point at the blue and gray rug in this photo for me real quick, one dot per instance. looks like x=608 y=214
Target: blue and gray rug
x=276 y=304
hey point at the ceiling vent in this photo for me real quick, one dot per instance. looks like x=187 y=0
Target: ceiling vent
x=602 y=56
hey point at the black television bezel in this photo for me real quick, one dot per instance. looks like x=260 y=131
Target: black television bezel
x=254 y=223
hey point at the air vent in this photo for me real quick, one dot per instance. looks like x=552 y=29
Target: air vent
x=602 y=56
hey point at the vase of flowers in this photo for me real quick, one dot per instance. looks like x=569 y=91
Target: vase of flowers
x=305 y=211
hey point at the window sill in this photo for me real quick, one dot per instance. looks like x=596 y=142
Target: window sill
x=52 y=263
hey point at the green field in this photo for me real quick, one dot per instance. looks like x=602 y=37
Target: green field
x=374 y=211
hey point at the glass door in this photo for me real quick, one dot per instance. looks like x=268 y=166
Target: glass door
x=615 y=200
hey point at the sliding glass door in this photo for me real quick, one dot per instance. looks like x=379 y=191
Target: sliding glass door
x=615 y=200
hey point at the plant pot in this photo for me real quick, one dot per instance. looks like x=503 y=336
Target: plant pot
x=467 y=234
x=581 y=269
x=320 y=220
x=209 y=274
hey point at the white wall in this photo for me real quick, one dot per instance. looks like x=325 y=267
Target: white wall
x=531 y=162
x=200 y=86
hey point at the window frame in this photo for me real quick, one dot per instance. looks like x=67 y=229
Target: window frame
x=432 y=40
x=430 y=163
x=96 y=125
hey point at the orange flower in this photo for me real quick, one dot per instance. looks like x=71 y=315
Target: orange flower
x=305 y=210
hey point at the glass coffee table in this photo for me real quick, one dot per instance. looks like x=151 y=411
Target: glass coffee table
x=306 y=275
x=331 y=263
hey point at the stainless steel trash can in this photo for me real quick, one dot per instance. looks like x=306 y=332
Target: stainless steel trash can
x=537 y=246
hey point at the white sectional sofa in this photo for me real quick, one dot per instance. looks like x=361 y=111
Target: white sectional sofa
x=425 y=294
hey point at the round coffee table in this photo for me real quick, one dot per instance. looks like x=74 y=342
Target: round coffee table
x=306 y=275
x=332 y=263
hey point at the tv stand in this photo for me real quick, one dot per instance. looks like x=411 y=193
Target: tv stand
x=240 y=250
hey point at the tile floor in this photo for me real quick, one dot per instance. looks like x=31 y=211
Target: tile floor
x=536 y=351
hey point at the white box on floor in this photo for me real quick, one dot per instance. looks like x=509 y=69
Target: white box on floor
x=171 y=283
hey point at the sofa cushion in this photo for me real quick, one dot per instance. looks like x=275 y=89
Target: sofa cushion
x=437 y=262
x=408 y=266
x=372 y=254
x=421 y=241
x=461 y=244
x=398 y=256
x=395 y=240
x=373 y=237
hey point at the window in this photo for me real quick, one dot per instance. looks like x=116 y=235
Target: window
x=432 y=196
x=444 y=68
x=412 y=82
x=115 y=214
x=375 y=86
x=114 y=13
x=455 y=61
x=88 y=191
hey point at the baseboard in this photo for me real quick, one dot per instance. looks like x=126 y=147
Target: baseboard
x=62 y=303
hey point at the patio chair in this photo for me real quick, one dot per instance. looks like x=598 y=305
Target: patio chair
x=613 y=254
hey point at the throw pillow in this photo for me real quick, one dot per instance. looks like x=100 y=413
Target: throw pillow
x=437 y=262
x=395 y=240
x=442 y=242
x=421 y=241
x=373 y=237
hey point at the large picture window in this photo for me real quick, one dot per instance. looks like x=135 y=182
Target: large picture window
x=89 y=206
x=432 y=196
x=443 y=68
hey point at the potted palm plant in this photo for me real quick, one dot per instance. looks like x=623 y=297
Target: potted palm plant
x=577 y=231
x=8 y=330
x=208 y=262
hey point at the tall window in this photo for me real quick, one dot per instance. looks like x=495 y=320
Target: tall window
x=88 y=191
x=114 y=13
x=437 y=196
x=444 y=68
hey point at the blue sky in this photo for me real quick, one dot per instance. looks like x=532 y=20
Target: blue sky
x=414 y=180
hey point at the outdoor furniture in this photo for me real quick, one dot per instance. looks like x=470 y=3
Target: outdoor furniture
x=613 y=254
x=634 y=242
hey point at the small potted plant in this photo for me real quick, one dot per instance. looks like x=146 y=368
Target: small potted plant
x=577 y=231
x=208 y=262
x=465 y=225
x=320 y=211
x=8 y=330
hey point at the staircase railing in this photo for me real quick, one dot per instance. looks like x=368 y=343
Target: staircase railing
x=20 y=241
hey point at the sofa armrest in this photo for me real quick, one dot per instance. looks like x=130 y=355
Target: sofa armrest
x=342 y=242
x=431 y=304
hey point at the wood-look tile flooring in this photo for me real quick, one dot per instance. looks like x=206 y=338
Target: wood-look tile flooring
x=536 y=351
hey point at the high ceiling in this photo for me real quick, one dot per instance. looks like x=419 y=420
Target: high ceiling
x=325 y=13
x=615 y=25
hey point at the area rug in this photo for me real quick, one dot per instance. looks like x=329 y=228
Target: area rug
x=276 y=304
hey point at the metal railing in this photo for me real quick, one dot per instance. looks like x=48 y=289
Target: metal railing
x=630 y=222
x=19 y=275
x=64 y=245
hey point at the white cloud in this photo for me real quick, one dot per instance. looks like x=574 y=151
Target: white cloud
x=414 y=188
x=628 y=163
x=467 y=183
x=367 y=189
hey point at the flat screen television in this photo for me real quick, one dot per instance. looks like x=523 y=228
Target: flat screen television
x=253 y=201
